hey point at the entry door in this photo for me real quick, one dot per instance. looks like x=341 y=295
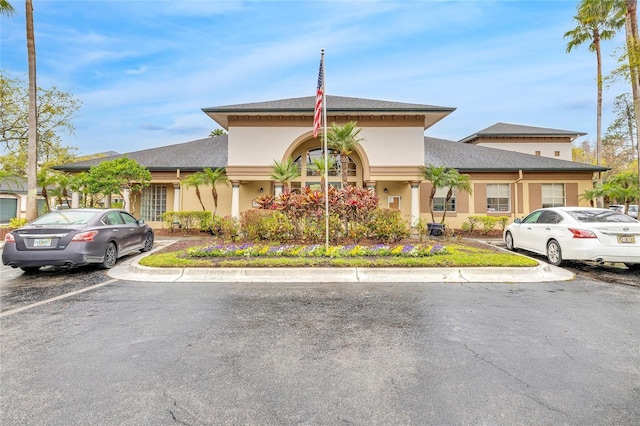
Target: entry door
x=394 y=202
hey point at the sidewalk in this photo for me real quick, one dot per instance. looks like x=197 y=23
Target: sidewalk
x=131 y=270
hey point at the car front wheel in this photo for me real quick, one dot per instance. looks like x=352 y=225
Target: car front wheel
x=554 y=253
x=508 y=241
x=110 y=256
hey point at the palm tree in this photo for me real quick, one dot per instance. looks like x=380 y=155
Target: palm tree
x=597 y=20
x=285 y=171
x=194 y=181
x=213 y=178
x=435 y=175
x=454 y=180
x=32 y=145
x=6 y=8
x=317 y=166
x=344 y=140
x=46 y=178
x=61 y=188
x=217 y=132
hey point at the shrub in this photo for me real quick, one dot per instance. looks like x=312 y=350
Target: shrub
x=503 y=221
x=488 y=223
x=227 y=227
x=187 y=221
x=277 y=226
x=387 y=225
x=473 y=222
x=422 y=227
x=15 y=223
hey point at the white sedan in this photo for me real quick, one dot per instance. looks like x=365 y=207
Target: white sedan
x=577 y=233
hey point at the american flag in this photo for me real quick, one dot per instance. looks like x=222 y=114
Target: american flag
x=317 y=115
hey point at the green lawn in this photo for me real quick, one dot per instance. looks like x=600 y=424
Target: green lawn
x=450 y=255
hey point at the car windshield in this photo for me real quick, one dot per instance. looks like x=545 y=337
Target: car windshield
x=599 y=216
x=65 y=217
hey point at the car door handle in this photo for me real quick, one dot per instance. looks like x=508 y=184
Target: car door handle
x=115 y=230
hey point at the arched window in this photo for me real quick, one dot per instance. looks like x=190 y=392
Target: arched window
x=309 y=175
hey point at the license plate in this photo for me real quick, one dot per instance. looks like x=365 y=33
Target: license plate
x=626 y=239
x=42 y=242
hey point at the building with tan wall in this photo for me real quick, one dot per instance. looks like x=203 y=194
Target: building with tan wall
x=505 y=182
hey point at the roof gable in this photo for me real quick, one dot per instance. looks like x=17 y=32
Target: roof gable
x=517 y=130
x=469 y=158
x=336 y=105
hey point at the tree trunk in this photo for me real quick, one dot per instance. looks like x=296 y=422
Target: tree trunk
x=344 y=163
x=200 y=198
x=596 y=42
x=32 y=147
x=631 y=26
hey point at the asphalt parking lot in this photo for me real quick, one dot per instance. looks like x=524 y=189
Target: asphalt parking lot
x=205 y=353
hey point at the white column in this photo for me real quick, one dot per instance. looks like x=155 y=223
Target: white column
x=415 y=201
x=107 y=201
x=235 y=198
x=75 y=199
x=127 y=200
x=176 y=197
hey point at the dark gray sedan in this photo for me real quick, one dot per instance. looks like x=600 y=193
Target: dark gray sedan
x=76 y=237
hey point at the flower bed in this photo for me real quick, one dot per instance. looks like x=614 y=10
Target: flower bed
x=315 y=250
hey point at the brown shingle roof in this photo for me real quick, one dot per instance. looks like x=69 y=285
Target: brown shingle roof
x=516 y=130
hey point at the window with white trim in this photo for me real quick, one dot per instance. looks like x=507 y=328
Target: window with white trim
x=439 y=199
x=153 y=203
x=498 y=197
x=553 y=195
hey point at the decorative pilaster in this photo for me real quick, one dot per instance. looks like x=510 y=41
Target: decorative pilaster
x=415 y=201
x=176 y=197
x=235 y=198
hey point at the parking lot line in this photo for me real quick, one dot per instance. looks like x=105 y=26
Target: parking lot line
x=53 y=299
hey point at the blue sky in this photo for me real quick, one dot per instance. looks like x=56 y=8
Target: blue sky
x=144 y=69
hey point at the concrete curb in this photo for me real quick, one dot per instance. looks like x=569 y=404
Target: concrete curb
x=133 y=271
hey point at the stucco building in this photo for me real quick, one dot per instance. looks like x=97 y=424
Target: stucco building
x=513 y=168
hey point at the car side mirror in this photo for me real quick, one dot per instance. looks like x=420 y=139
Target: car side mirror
x=140 y=222
x=517 y=220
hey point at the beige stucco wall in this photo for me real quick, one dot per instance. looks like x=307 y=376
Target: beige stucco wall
x=259 y=146
x=546 y=149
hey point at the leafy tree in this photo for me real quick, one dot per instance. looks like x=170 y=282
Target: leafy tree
x=55 y=112
x=195 y=181
x=597 y=20
x=435 y=175
x=285 y=171
x=115 y=176
x=344 y=140
x=623 y=188
x=213 y=178
x=454 y=180
x=217 y=132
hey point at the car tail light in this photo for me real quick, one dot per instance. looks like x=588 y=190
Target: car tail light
x=84 y=237
x=9 y=238
x=582 y=233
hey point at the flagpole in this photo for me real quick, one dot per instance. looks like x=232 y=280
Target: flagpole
x=326 y=154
